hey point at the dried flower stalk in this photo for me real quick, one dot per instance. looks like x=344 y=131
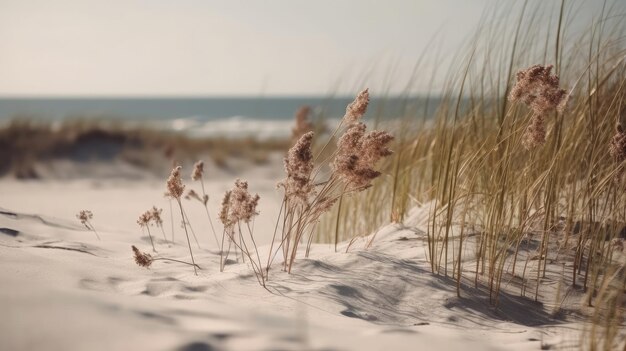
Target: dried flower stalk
x=145 y=259
x=174 y=184
x=535 y=134
x=175 y=190
x=198 y=172
x=354 y=112
x=141 y=258
x=299 y=166
x=144 y=222
x=303 y=125
x=155 y=214
x=357 y=108
x=357 y=155
x=238 y=208
x=539 y=90
x=85 y=217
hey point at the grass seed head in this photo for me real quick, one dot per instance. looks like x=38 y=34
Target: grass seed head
x=539 y=90
x=535 y=134
x=175 y=185
x=238 y=205
x=357 y=108
x=374 y=146
x=145 y=219
x=84 y=216
x=225 y=209
x=141 y=258
x=155 y=213
x=299 y=166
x=192 y=194
x=358 y=153
x=243 y=204
x=303 y=125
x=198 y=170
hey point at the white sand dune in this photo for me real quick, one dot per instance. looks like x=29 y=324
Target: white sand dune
x=63 y=289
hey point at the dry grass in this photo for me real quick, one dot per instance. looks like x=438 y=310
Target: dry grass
x=502 y=211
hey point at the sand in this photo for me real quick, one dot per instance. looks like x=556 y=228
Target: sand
x=63 y=289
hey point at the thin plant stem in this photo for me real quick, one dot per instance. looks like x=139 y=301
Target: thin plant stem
x=182 y=213
x=151 y=241
x=173 y=260
x=163 y=231
x=186 y=220
x=94 y=230
x=172 y=218
x=282 y=206
x=207 y=213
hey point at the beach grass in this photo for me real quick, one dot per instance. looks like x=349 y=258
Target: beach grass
x=503 y=208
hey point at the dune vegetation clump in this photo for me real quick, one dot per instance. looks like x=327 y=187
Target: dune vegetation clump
x=311 y=189
x=312 y=186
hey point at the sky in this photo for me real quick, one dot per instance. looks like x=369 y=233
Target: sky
x=205 y=47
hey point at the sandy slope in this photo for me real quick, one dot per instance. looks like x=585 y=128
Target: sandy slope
x=65 y=290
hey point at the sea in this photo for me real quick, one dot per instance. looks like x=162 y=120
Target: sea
x=259 y=117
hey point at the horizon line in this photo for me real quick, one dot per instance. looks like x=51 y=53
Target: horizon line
x=206 y=96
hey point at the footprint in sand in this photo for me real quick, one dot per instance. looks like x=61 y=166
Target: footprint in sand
x=111 y=284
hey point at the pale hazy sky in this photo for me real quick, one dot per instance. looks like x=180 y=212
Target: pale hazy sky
x=203 y=47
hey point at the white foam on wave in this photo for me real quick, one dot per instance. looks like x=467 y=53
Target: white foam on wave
x=233 y=127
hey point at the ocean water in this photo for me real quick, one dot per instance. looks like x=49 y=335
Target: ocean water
x=262 y=117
